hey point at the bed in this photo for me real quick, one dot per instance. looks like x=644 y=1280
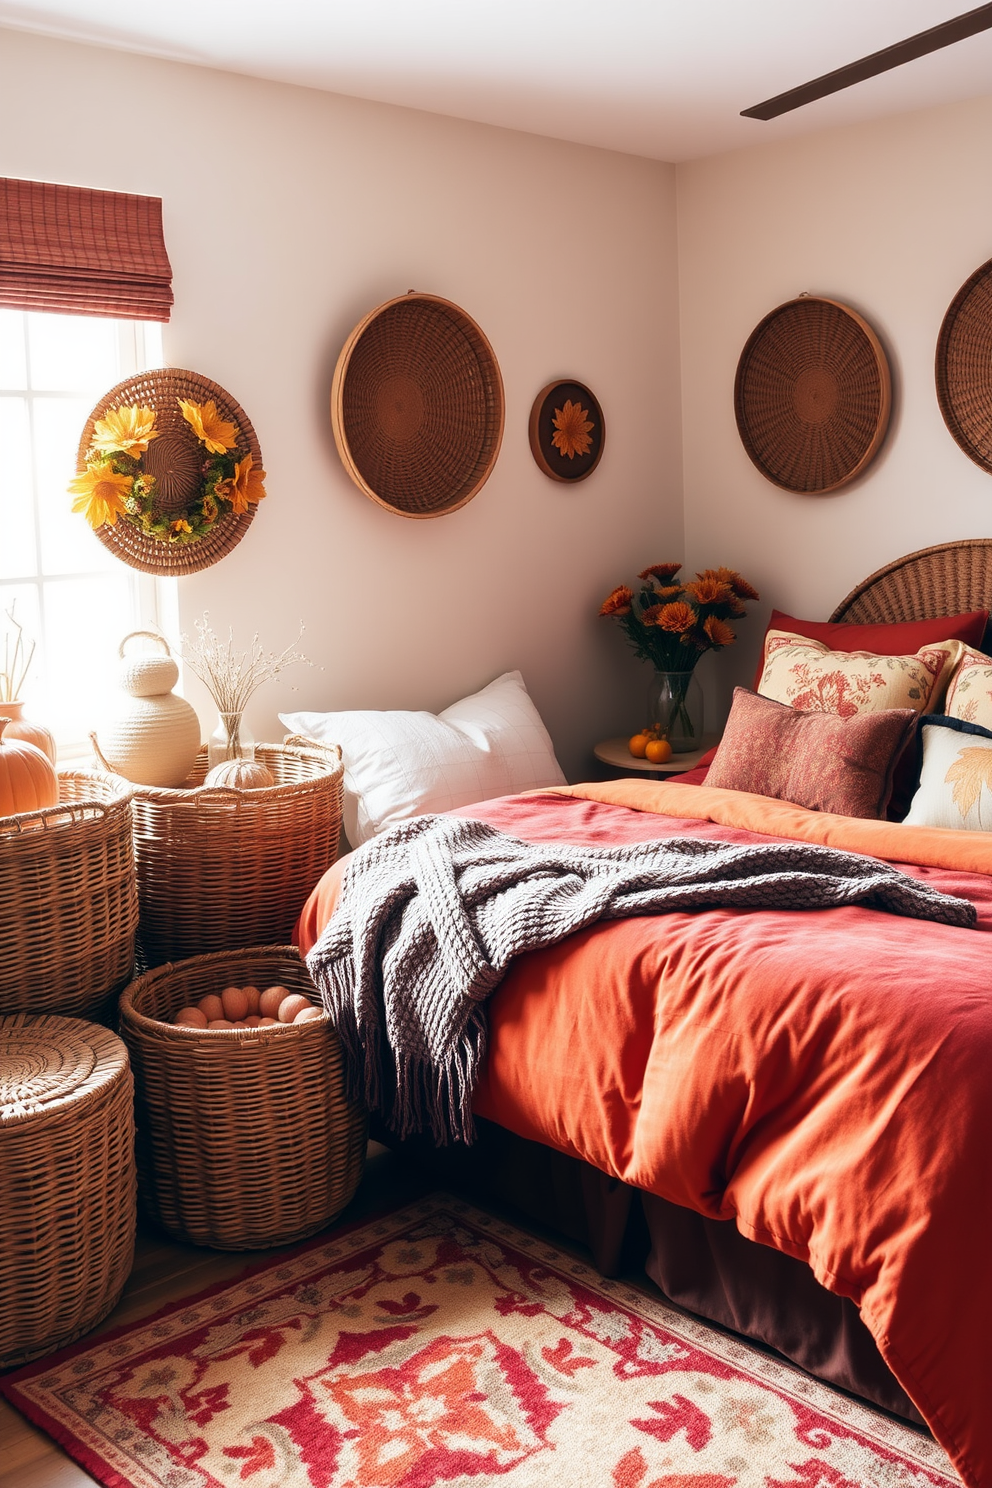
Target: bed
x=792 y=1109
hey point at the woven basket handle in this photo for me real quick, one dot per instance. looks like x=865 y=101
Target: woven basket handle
x=303 y=741
x=217 y=795
x=150 y=635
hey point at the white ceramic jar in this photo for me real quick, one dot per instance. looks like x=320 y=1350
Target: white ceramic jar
x=154 y=737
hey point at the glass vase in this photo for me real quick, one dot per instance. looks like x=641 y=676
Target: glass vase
x=231 y=739
x=675 y=706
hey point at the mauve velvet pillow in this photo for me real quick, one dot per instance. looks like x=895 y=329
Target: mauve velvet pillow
x=818 y=760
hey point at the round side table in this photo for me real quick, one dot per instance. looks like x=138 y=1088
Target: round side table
x=614 y=752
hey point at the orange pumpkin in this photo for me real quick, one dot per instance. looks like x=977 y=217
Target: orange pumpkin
x=27 y=777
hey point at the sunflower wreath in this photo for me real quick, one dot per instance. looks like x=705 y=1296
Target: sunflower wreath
x=115 y=485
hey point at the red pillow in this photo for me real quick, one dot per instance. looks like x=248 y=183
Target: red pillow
x=901 y=638
x=818 y=760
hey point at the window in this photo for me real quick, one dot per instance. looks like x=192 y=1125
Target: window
x=73 y=597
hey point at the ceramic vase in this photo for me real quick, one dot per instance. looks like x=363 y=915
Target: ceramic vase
x=20 y=727
x=154 y=737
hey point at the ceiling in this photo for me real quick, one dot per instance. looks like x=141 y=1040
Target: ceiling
x=661 y=78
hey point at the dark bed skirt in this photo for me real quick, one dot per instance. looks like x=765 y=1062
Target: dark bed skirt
x=703 y=1265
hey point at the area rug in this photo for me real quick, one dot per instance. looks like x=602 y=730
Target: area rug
x=439 y=1345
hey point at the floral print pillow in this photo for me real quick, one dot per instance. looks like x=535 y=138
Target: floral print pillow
x=969 y=697
x=809 y=676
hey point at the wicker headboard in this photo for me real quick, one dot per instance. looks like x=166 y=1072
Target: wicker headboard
x=950 y=579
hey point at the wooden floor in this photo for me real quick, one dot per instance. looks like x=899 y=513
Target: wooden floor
x=165 y=1271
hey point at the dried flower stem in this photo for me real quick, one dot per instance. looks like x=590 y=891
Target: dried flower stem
x=230 y=676
x=16 y=660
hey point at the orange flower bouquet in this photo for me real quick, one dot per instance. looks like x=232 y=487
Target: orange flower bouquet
x=670 y=624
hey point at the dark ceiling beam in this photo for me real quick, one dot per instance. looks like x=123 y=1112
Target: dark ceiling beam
x=920 y=45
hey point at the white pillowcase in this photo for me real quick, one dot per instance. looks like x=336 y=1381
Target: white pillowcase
x=956 y=779
x=398 y=765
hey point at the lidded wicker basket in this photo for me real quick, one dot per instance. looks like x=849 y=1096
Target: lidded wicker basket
x=246 y=1138
x=220 y=867
x=69 y=899
x=67 y=1184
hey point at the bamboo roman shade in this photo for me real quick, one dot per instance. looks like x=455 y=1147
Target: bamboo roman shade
x=82 y=252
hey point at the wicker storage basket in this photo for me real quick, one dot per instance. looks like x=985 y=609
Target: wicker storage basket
x=68 y=901
x=66 y=1180
x=220 y=868
x=245 y=1136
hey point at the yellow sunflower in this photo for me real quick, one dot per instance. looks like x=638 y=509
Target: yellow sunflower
x=100 y=494
x=125 y=431
x=244 y=486
x=571 y=425
x=218 y=434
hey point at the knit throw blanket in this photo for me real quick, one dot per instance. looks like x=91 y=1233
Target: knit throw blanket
x=432 y=912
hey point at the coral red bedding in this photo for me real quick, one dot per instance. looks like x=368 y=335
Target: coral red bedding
x=822 y=1077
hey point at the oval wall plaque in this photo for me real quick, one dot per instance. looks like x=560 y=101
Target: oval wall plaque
x=567 y=432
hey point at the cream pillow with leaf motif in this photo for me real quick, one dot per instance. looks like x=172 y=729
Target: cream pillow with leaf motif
x=955 y=777
x=809 y=676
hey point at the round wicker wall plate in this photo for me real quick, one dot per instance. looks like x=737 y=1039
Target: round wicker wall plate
x=812 y=395
x=175 y=458
x=567 y=432
x=417 y=406
x=964 y=367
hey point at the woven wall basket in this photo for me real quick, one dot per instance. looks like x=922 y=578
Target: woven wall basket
x=964 y=367
x=812 y=395
x=175 y=458
x=417 y=406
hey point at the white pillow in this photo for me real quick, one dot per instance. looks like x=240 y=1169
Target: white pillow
x=398 y=765
x=956 y=778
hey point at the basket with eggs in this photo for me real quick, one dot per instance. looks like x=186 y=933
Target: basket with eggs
x=247 y=1137
x=247 y=1007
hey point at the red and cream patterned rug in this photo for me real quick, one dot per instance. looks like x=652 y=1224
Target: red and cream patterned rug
x=441 y=1346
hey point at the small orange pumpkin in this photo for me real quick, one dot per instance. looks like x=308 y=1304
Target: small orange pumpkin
x=27 y=777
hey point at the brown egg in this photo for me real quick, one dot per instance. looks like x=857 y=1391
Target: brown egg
x=211 y=1006
x=253 y=995
x=268 y=1002
x=190 y=1017
x=220 y=1023
x=268 y=1022
x=291 y=1005
x=235 y=1003
x=309 y=1015
x=252 y=1021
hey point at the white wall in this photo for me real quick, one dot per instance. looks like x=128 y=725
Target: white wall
x=290 y=213
x=890 y=217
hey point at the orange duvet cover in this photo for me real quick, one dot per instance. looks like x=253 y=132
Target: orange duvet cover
x=823 y=1077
